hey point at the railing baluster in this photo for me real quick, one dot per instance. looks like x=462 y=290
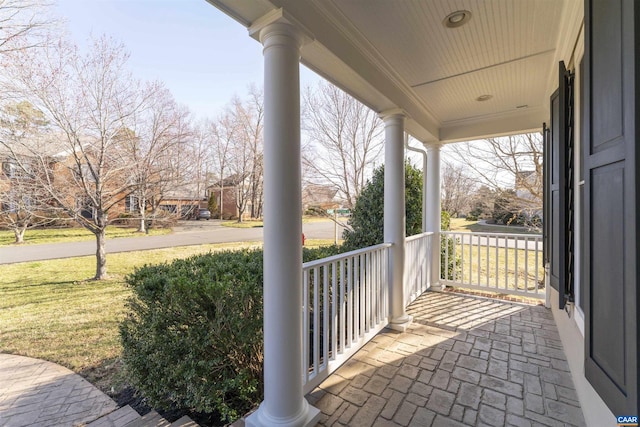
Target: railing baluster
x=363 y=294
x=334 y=311
x=497 y=279
x=479 y=259
x=446 y=259
x=487 y=255
x=367 y=307
x=470 y=257
x=461 y=258
x=325 y=317
x=506 y=262
x=374 y=292
x=343 y=305
x=316 y=320
x=350 y=302
x=305 y=326
x=526 y=264
x=515 y=256
x=537 y=265
x=357 y=285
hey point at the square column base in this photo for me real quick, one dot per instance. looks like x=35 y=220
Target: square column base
x=309 y=418
x=400 y=324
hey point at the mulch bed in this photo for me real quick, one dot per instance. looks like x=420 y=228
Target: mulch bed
x=129 y=396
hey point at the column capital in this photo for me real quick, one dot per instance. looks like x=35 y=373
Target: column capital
x=279 y=22
x=392 y=114
x=432 y=146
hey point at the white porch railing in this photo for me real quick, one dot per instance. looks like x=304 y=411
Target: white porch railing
x=417 y=266
x=345 y=304
x=495 y=262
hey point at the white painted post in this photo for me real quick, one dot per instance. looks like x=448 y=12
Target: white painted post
x=394 y=215
x=433 y=209
x=284 y=403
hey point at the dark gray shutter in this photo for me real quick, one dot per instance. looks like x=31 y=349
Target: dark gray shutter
x=559 y=197
x=610 y=272
x=546 y=205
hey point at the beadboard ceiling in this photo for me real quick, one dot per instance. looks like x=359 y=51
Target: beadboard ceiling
x=398 y=53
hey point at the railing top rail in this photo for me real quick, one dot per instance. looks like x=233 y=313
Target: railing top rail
x=418 y=236
x=345 y=255
x=478 y=233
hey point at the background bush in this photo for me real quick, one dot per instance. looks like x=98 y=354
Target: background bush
x=192 y=338
x=447 y=246
x=367 y=217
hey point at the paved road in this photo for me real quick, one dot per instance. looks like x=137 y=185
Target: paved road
x=185 y=234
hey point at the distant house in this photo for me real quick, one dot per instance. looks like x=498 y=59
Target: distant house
x=319 y=196
x=184 y=202
x=18 y=176
x=228 y=192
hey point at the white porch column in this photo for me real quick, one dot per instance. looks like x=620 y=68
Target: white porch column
x=394 y=215
x=433 y=208
x=284 y=403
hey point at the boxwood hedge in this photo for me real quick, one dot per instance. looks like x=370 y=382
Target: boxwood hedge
x=192 y=336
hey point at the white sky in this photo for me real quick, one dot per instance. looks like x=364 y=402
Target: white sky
x=202 y=55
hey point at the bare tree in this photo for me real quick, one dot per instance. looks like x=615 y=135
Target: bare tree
x=221 y=133
x=155 y=145
x=249 y=118
x=512 y=162
x=23 y=203
x=457 y=189
x=90 y=101
x=24 y=24
x=344 y=140
x=245 y=154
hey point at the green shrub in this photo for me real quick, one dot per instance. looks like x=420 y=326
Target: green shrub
x=445 y=221
x=193 y=335
x=310 y=254
x=367 y=217
x=192 y=338
x=315 y=211
x=447 y=245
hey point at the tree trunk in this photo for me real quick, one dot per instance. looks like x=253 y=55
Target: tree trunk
x=221 y=201
x=101 y=254
x=19 y=235
x=142 y=207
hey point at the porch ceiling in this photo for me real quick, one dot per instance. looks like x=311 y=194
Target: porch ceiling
x=400 y=54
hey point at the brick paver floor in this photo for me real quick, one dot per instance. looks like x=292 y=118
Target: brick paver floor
x=464 y=361
x=38 y=393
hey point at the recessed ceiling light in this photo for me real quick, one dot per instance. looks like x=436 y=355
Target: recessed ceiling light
x=482 y=98
x=457 y=19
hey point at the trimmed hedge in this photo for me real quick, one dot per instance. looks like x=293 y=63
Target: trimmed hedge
x=192 y=338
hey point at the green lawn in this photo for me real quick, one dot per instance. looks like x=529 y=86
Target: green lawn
x=76 y=234
x=255 y=223
x=49 y=309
